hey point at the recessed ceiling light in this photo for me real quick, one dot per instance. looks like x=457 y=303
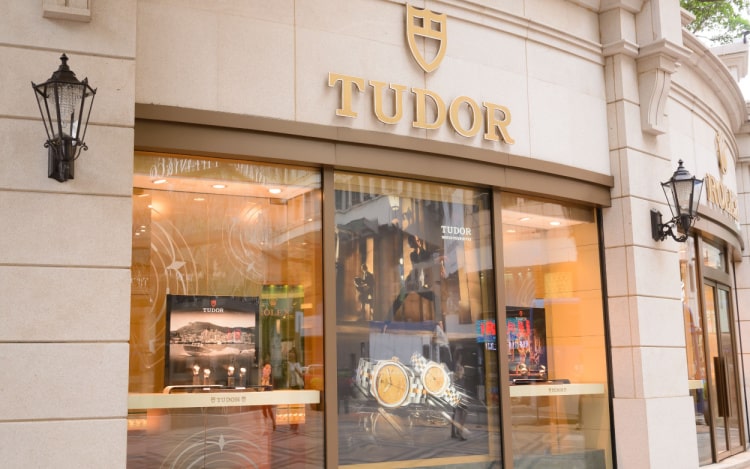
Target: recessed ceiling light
x=554 y=223
x=525 y=219
x=199 y=199
x=219 y=186
x=159 y=181
x=511 y=230
x=274 y=190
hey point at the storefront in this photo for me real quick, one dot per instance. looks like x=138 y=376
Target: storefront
x=404 y=276
x=375 y=234
x=233 y=267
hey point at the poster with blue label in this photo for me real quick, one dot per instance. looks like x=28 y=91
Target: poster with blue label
x=526 y=334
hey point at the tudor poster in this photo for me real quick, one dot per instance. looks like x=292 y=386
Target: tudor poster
x=211 y=340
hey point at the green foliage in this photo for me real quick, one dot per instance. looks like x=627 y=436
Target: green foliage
x=718 y=21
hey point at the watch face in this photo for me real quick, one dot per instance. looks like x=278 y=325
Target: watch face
x=390 y=384
x=435 y=379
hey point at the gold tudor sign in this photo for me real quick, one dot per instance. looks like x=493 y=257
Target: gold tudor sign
x=427 y=24
x=430 y=25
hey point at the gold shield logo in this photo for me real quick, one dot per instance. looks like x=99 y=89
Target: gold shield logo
x=721 y=153
x=429 y=25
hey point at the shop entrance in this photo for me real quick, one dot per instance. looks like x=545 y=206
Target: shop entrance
x=711 y=349
x=726 y=431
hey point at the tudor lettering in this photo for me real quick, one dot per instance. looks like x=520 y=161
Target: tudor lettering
x=464 y=114
x=459 y=233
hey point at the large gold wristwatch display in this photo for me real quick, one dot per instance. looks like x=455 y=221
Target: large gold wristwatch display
x=436 y=380
x=434 y=376
x=390 y=382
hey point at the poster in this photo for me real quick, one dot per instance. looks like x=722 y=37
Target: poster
x=526 y=334
x=212 y=340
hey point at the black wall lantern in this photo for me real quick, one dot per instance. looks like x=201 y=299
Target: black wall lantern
x=65 y=105
x=683 y=192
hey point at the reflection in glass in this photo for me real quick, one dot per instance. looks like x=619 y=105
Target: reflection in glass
x=713 y=256
x=716 y=370
x=242 y=266
x=733 y=412
x=723 y=390
x=416 y=333
x=555 y=340
x=695 y=349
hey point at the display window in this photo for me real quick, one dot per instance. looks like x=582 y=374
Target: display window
x=555 y=333
x=226 y=346
x=415 y=324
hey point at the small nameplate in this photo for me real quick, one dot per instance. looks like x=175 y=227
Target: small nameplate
x=228 y=399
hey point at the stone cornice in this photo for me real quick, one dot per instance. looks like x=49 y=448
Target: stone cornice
x=631 y=6
x=718 y=78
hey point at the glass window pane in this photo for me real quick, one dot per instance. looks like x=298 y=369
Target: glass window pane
x=555 y=335
x=713 y=256
x=226 y=295
x=716 y=370
x=695 y=349
x=415 y=309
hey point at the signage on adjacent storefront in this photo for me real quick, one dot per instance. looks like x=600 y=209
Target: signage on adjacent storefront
x=431 y=110
x=717 y=193
x=720 y=195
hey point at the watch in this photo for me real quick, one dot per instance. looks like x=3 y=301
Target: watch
x=390 y=382
x=436 y=380
x=434 y=376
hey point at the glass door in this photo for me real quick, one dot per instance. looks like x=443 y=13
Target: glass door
x=724 y=394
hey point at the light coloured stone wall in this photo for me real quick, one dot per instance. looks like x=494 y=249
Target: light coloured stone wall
x=742 y=272
x=65 y=247
x=541 y=61
x=653 y=414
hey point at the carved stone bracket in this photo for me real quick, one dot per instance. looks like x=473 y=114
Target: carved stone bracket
x=655 y=64
x=74 y=10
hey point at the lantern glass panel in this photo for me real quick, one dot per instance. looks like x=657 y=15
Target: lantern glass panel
x=682 y=194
